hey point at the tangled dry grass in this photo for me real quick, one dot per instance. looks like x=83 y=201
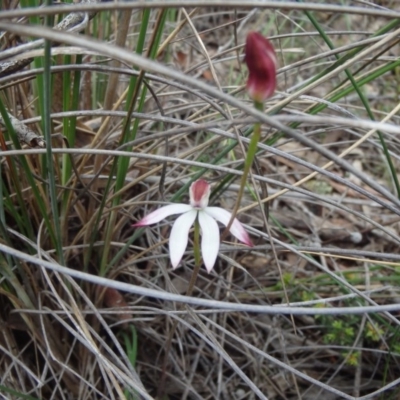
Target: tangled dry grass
x=146 y=99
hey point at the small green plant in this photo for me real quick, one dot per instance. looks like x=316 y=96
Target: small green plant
x=344 y=330
x=340 y=333
x=352 y=358
x=373 y=332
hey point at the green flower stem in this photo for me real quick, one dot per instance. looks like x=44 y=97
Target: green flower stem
x=197 y=258
x=196 y=244
x=251 y=153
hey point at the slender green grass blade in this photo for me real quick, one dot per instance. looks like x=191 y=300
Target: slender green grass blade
x=363 y=100
x=46 y=120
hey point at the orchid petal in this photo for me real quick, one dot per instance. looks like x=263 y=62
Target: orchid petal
x=163 y=212
x=209 y=240
x=236 y=229
x=178 y=239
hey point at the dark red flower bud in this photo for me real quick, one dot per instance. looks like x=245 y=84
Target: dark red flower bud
x=261 y=61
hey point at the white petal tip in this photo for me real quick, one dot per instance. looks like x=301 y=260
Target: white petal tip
x=209 y=268
x=175 y=263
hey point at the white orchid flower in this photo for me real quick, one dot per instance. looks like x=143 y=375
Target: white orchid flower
x=207 y=217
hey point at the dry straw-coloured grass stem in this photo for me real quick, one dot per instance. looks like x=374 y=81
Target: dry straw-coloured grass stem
x=334 y=218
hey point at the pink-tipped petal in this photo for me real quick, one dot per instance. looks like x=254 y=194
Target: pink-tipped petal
x=237 y=229
x=179 y=236
x=163 y=212
x=209 y=240
x=199 y=193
